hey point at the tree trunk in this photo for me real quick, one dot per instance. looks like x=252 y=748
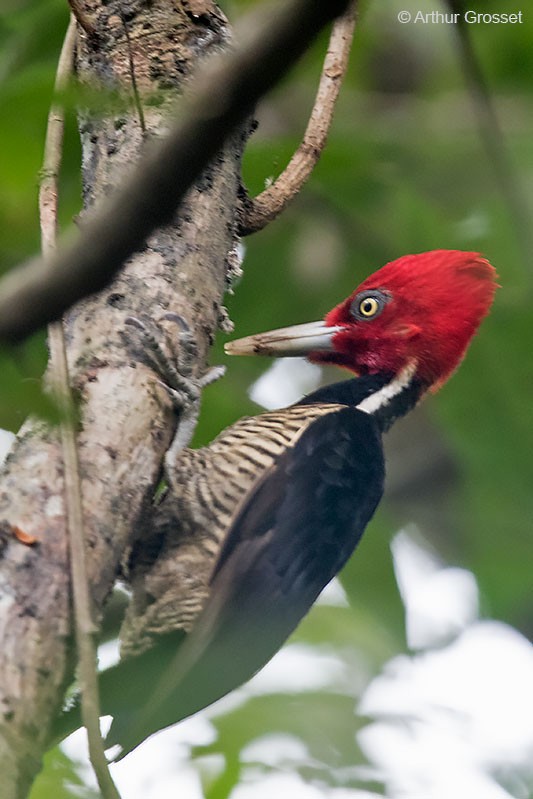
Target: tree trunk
x=127 y=417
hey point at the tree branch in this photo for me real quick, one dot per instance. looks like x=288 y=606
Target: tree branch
x=41 y=291
x=126 y=419
x=59 y=378
x=259 y=211
x=84 y=20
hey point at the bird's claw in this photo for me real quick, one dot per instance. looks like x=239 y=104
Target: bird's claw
x=213 y=374
x=176 y=371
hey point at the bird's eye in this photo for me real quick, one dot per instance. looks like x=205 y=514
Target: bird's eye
x=369 y=304
x=368 y=307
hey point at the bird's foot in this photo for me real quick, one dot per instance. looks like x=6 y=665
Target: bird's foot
x=178 y=380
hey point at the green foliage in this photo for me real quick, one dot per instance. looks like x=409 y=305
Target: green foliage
x=323 y=721
x=21 y=390
x=404 y=171
x=60 y=779
x=30 y=39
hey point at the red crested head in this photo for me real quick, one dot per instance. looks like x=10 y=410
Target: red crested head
x=420 y=309
x=418 y=313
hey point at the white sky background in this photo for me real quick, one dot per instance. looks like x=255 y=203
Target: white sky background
x=6 y=439
x=445 y=719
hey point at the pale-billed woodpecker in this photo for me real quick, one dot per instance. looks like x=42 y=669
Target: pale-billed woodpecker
x=285 y=496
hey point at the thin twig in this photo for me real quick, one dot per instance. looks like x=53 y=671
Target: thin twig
x=41 y=291
x=83 y=19
x=134 y=87
x=85 y=628
x=493 y=139
x=259 y=211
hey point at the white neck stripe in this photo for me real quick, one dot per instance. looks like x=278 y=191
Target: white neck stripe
x=382 y=397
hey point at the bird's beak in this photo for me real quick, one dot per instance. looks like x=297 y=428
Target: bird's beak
x=288 y=341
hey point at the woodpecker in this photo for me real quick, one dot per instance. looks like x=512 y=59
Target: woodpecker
x=285 y=496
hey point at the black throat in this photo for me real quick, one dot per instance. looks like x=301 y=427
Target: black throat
x=382 y=396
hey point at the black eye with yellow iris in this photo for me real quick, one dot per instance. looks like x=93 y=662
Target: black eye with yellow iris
x=369 y=304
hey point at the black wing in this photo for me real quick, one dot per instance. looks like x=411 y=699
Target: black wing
x=292 y=534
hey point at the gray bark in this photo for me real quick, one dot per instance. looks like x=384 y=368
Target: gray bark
x=127 y=417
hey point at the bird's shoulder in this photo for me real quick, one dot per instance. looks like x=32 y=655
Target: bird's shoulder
x=326 y=483
x=281 y=426
x=218 y=476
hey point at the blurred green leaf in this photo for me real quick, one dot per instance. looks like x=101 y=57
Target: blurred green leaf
x=60 y=779
x=323 y=722
x=21 y=389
